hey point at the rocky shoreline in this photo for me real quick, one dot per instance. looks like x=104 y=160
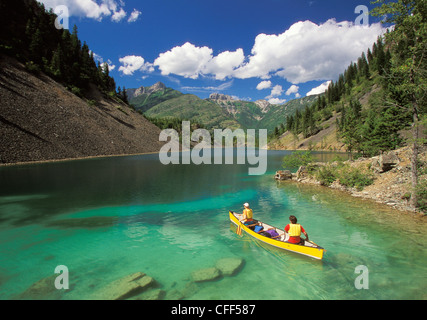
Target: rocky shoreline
x=392 y=178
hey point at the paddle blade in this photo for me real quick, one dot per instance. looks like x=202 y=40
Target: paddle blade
x=239 y=230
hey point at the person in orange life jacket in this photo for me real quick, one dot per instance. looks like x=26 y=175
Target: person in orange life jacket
x=295 y=231
x=247 y=215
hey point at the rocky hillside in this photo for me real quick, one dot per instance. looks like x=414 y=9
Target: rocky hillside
x=390 y=174
x=325 y=140
x=40 y=120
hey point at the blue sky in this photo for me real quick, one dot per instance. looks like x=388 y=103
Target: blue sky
x=276 y=50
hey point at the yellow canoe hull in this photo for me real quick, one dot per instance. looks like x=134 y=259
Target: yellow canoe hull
x=312 y=251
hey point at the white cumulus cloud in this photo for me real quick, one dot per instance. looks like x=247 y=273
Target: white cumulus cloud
x=187 y=60
x=308 y=51
x=264 y=85
x=119 y=15
x=276 y=101
x=99 y=58
x=277 y=91
x=320 y=89
x=131 y=64
x=292 y=89
x=223 y=65
x=93 y=9
x=190 y=61
x=134 y=15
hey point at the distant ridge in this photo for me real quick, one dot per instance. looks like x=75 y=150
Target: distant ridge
x=159 y=101
x=144 y=98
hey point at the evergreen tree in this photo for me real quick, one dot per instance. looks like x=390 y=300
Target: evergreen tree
x=408 y=66
x=55 y=64
x=370 y=56
x=125 y=96
x=290 y=123
x=350 y=126
x=36 y=46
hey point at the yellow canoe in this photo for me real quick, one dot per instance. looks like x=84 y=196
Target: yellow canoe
x=309 y=249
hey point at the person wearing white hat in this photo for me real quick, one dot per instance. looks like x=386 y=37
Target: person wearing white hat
x=247 y=214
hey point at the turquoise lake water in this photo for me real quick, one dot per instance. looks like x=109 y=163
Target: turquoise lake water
x=107 y=218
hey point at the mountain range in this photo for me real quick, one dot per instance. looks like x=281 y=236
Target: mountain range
x=218 y=111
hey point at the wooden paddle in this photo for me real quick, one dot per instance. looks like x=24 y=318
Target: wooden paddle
x=312 y=243
x=239 y=227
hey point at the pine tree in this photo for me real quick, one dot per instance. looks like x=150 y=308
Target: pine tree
x=370 y=56
x=36 y=46
x=290 y=123
x=350 y=126
x=55 y=64
x=125 y=96
x=381 y=58
x=408 y=66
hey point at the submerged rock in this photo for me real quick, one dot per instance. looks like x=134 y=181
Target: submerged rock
x=153 y=295
x=126 y=287
x=43 y=289
x=230 y=266
x=83 y=223
x=204 y=275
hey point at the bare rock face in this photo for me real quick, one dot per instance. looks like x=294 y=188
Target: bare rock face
x=302 y=172
x=385 y=162
x=220 y=97
x=264 y=105
x=159 y=86
x=283 y=175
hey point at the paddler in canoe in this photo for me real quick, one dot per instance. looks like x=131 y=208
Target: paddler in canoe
x=294 y=230
x=247 y=215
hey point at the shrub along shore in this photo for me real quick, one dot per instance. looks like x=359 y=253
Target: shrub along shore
x=385 y=179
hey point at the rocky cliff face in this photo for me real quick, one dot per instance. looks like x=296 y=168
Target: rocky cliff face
x=40 y=120
x=133 y=93
x=218 y=97
x=264 y=105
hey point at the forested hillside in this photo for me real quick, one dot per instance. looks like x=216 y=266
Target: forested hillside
x=55 y=102
x=29 y=34
x=373 y=99
x=380 y=101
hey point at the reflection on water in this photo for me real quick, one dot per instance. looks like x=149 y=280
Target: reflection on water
x=107 y=218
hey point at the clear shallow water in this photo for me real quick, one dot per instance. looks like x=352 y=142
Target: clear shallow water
x=107 y=218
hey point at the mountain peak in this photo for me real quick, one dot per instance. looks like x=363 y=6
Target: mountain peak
x=220 y=97
x=159 y=86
